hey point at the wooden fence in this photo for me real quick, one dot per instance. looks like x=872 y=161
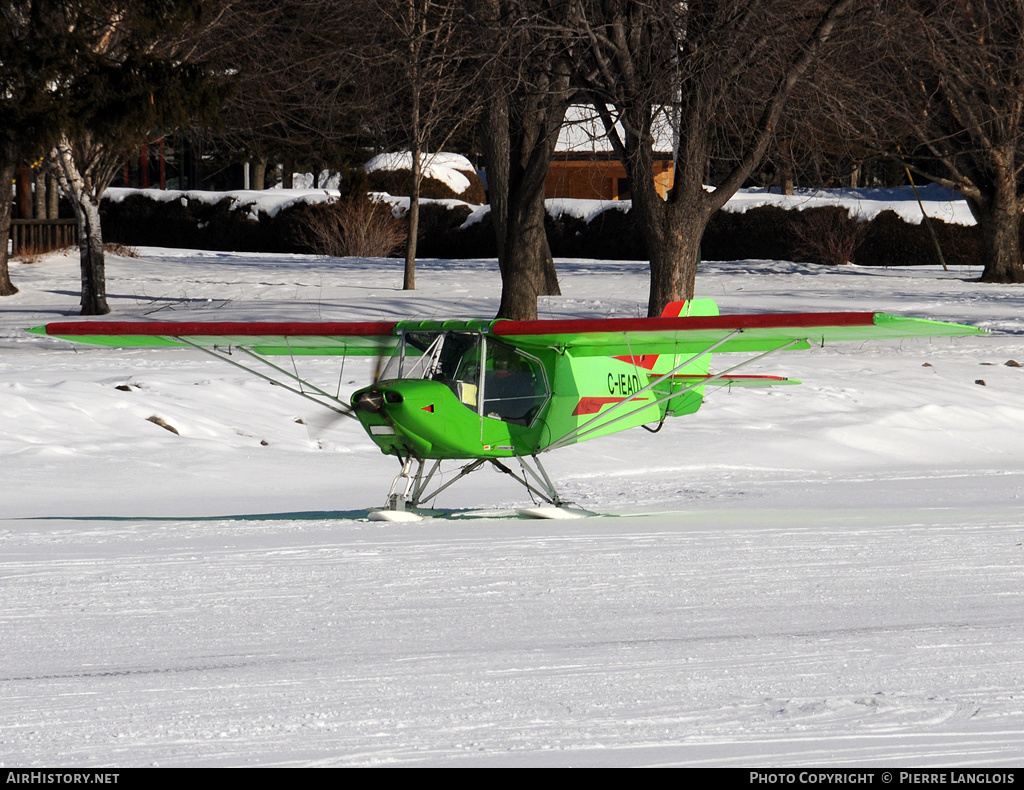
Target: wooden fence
x=36 y=236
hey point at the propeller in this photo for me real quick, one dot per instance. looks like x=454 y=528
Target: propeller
x=323 y=421
x=378 y=365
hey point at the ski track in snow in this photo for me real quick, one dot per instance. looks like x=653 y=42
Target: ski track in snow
x=827 y=574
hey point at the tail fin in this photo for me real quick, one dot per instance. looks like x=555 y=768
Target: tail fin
x=688 y=402
x=661 y=364
x=665 y=362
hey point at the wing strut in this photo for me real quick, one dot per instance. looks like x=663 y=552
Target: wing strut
x=334 y=404
x=589 y=427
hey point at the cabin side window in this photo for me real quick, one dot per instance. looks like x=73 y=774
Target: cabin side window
x=515 y=387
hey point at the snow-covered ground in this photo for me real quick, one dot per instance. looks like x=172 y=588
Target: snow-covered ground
x=830 y=574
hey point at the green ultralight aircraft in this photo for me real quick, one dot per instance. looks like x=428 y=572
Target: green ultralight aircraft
x=484 y=391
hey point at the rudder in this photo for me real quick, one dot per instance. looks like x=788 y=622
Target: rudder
x=690 y=401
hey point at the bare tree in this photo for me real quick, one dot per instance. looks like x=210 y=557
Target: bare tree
x=726 y=69
x=85 y=168
x=295 y=95
x=7 y=166
x=948 y=75
x=31 y=59
x=527 y=78
x=811 y=147
x=414 y=72
x=417 y=73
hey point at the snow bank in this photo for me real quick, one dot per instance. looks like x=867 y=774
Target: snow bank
x=585 y=210
x=939 y=202
x=327 y=179
x=252 y=201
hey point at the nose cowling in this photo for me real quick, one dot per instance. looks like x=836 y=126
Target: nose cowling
x=426 y=419
x=380 y=409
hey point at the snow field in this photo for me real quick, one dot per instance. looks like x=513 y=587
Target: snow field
x=827 y=574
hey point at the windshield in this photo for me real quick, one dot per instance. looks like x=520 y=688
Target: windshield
x=433 y=355
x=514 y=385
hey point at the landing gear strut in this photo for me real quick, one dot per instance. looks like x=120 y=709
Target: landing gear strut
x=409 y=488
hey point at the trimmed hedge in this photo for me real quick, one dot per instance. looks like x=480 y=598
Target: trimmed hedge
x=766 y=232
x=399 y=183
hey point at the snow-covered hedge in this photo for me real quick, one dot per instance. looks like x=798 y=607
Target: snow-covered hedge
x=445 y=176
x=881 y=227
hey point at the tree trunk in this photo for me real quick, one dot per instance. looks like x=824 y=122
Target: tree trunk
x=673 y=228
x=144 y=167
x=517 y=166
x=672 y=231
x=522 y=261
x=90 y=234
x=674 y=259
x=90 y=248
x=288 y=174
x=550 y=286
x=999 y=219
x=23 y=192
x=7 y=170
x=786 y=179
x=52 y=197
x=39 y=208
x=259 y=173
x=413 y=230
x=854 y=176
x=524 y=257
x=417 y=26
x=497 y=146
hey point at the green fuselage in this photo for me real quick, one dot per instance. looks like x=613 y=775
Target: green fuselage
x=439 y=406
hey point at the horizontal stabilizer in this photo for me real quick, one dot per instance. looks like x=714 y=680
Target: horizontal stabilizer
x=736 y=381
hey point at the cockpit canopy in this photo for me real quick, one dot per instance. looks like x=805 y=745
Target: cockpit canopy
x=513 y=386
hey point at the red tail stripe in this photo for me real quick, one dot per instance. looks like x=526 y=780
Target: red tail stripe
x=592 y=405
x=646 y=361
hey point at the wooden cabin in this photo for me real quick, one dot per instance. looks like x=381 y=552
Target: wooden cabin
x=585 y=166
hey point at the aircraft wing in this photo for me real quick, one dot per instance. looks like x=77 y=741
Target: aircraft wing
x=691 y=335
x=327 y=338
x=581 y=337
